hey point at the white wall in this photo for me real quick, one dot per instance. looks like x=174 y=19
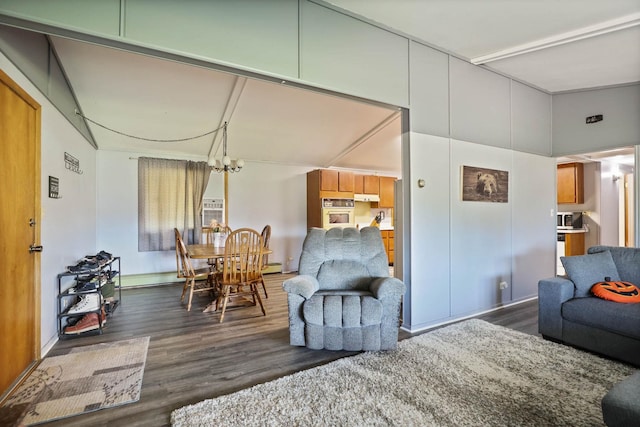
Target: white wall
x=460 y=251
x=68 y=228
x=609 y=205
x=262 y=193
x=620 y=107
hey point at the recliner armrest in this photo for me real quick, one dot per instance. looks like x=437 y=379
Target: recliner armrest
x=552 y=293
x=302 y=285
x=383 y=287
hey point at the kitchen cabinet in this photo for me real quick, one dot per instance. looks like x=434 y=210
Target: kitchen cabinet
x=328 y=180
x=366 y=184
x=570 y=183
x=574 y=244
x=386 y=192
x=388 y=240
x=329 y=183
x=345 y=182
x=335 y=181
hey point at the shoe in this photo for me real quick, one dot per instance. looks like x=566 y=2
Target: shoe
x=87 y=302
x=85 y=279
x=83 y=267
x=106 y=256
x=83 y=287
x=89 y=322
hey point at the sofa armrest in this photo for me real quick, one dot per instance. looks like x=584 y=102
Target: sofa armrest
x=552 y=293
x=302 y=285
x=384 y=287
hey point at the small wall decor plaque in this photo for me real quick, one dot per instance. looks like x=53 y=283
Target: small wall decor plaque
x=485 y=185
x=54 y=187
x=72 y=163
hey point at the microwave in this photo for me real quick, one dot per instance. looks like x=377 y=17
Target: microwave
x=569 y=220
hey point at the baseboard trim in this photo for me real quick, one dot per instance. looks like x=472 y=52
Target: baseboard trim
x=149 y=279
x=470 y=316
x=153 y=279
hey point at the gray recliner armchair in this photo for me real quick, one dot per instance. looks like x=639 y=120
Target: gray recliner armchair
x=343 y=297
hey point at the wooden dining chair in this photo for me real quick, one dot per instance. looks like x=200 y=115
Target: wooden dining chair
x=196 y=280
x=241 y=269
x=266 y=237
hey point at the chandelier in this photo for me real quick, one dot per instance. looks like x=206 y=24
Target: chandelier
x=226 y=164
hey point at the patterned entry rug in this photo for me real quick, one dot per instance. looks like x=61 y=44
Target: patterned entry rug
x=468 y=374
x=84 y=380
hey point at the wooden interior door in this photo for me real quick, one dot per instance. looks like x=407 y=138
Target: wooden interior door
x=19 y=228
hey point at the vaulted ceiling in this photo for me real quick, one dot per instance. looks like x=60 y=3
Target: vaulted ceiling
x=553 y=45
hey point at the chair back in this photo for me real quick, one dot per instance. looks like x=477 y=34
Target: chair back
x=243 y=257
x=183 y=263
x=266 y=237
x=344 y=258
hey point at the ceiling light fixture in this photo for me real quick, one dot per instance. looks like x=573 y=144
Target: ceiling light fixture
x=226 y=164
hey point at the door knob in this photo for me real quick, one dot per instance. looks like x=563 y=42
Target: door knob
x=34 y=248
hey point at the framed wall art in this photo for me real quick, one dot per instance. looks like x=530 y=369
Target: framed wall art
x=485 y=185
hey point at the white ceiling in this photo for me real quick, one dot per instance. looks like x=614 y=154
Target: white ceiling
x=557 y=45
x=554 y=45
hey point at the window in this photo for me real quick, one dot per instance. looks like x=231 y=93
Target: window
x=169 y=196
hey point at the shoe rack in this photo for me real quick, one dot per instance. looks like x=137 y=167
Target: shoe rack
x=80 y=294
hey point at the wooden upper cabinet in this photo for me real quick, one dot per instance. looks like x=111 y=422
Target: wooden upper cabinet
x=328 y=180
x=371 y=184
x=570 y=183
x=366 y=184
x=358 y=184
x=329 y=183
x=386 y=192
x=346 y=181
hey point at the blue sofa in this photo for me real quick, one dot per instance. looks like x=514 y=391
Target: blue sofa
x=570 y=314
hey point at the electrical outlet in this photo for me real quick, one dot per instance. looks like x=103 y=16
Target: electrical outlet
x=504 y=285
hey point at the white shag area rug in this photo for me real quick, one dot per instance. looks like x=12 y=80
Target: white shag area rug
x=468 y=374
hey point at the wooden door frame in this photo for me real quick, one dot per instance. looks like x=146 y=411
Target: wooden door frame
x=36 y=167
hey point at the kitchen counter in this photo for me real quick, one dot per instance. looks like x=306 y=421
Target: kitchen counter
x=573 y=231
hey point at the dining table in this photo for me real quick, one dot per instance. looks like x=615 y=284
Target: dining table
x=208 y=251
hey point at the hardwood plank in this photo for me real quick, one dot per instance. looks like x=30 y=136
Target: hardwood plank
x=192 y=357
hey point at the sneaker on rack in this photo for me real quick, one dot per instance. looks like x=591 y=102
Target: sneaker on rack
x=83 y=267
x=87 y=302
x=89 y=322
x=85 y=279
x=104 y=255
x=83 y=287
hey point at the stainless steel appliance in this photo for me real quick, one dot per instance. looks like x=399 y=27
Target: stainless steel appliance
x=338 y=213
x=569 y=220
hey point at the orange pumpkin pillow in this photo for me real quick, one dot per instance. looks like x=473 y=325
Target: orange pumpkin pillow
x=617 y=291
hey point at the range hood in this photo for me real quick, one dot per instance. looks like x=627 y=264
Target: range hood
x=366 y=197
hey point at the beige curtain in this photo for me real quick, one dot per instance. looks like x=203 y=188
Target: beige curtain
x=169 y=196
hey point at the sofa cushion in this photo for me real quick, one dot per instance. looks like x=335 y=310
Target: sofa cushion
x=586 y=270
x=342 y=310
x=610 y=316
x=627 y=261
x=344 y=274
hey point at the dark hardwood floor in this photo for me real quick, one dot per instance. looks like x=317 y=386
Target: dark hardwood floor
x=192 y=357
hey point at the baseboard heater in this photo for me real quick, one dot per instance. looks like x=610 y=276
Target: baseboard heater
x=153 y=279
